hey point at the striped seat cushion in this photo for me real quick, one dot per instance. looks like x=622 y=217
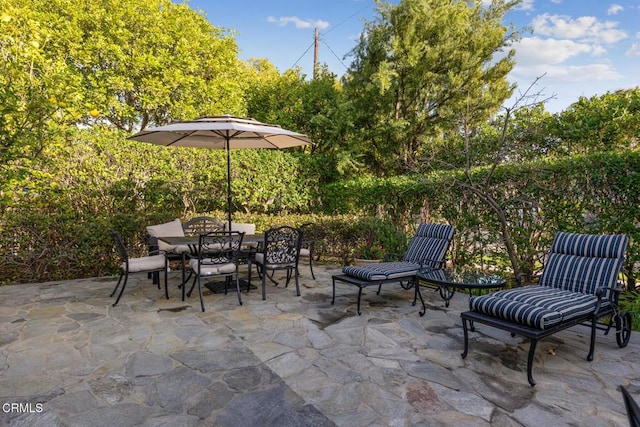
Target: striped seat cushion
x=382 y=271
x=537 y=306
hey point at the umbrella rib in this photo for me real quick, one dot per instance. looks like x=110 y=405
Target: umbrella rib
x=181 y=138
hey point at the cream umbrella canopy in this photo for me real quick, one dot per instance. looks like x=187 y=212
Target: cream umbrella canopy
x=223 y=133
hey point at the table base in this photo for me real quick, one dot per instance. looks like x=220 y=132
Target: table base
x=219 y=286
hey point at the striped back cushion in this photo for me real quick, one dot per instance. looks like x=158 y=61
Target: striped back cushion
x=583 y=262
x=429 y=245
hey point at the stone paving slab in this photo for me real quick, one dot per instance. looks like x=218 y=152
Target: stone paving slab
x=67 y=358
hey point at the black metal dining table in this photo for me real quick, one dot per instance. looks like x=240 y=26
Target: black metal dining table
x=193 y=240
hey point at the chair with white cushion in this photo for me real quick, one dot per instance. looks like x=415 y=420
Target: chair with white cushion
x=308 y=246
x=172 y=252
x=280 y=250
x=146 y=264
x=218 y=254
x=248 y=229
x=168 y=229
x=202 y=224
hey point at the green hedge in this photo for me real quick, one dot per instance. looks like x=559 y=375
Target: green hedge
x=599 y=193
x=61 y=230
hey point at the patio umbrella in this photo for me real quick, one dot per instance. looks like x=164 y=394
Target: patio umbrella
x=224 y=133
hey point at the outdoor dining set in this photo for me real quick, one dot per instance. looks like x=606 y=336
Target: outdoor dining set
x=579 y=282
x=205 y=248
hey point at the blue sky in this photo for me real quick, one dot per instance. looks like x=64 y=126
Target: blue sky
x=585 y=47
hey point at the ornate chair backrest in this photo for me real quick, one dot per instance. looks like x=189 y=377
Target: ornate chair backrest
x=202 y=224
x=309 y=232
x=220 y=247
x=282 y=245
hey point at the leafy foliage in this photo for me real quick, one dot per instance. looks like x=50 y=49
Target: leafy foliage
x=417 y=67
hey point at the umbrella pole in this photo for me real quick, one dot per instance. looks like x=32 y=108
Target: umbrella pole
x=228 y=184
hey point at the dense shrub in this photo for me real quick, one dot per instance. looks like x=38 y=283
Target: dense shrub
x=54 y=234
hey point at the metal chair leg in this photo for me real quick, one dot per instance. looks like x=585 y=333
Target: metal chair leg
x=124 y=285
x=117 y=285
x=200 y=293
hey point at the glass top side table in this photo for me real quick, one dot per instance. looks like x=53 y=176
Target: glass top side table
x=448 y=280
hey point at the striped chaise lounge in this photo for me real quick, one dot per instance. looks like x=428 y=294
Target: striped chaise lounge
x=578 y=284
x=427 y=249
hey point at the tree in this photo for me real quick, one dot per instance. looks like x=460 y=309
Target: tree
x=149 y=62
x=37 y=92
x=600 y=123
x=516 y=136
x=314 y=107
x=418 y=66
x=122 y=64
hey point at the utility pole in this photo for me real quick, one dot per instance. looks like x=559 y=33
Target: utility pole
x=315 y=54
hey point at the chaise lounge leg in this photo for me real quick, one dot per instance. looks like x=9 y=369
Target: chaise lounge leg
x=466 y=338
x=418 y=293
x=359 y=295
x=333 y=297
x=592 y=344
x=532 y=350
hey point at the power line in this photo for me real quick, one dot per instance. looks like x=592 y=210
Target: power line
x=334 y=54
x=345 y=20
x=327 y=32
x=303 y=54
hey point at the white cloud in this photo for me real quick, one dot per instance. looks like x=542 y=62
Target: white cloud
x=634 y=50
x=569 y=74
x=298 y=22
x=526 y=5
x=534 y=50
x=614 y=9
x=584 y=28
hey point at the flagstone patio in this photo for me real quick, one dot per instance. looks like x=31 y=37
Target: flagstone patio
x=67 y=358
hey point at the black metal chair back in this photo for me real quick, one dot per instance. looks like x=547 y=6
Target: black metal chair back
x=218 y=255
x=220 y=247
x=121 y=249
x=202 y=224
x=279 y=250
x=153 y=264
x=281 y=246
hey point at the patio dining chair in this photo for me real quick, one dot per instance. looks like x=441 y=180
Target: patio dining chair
x=202 y=224
x=171 y=252
x=308 y=246
x=246 y=228
x=280 y=250
x=217 y=257
x=146 y=264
